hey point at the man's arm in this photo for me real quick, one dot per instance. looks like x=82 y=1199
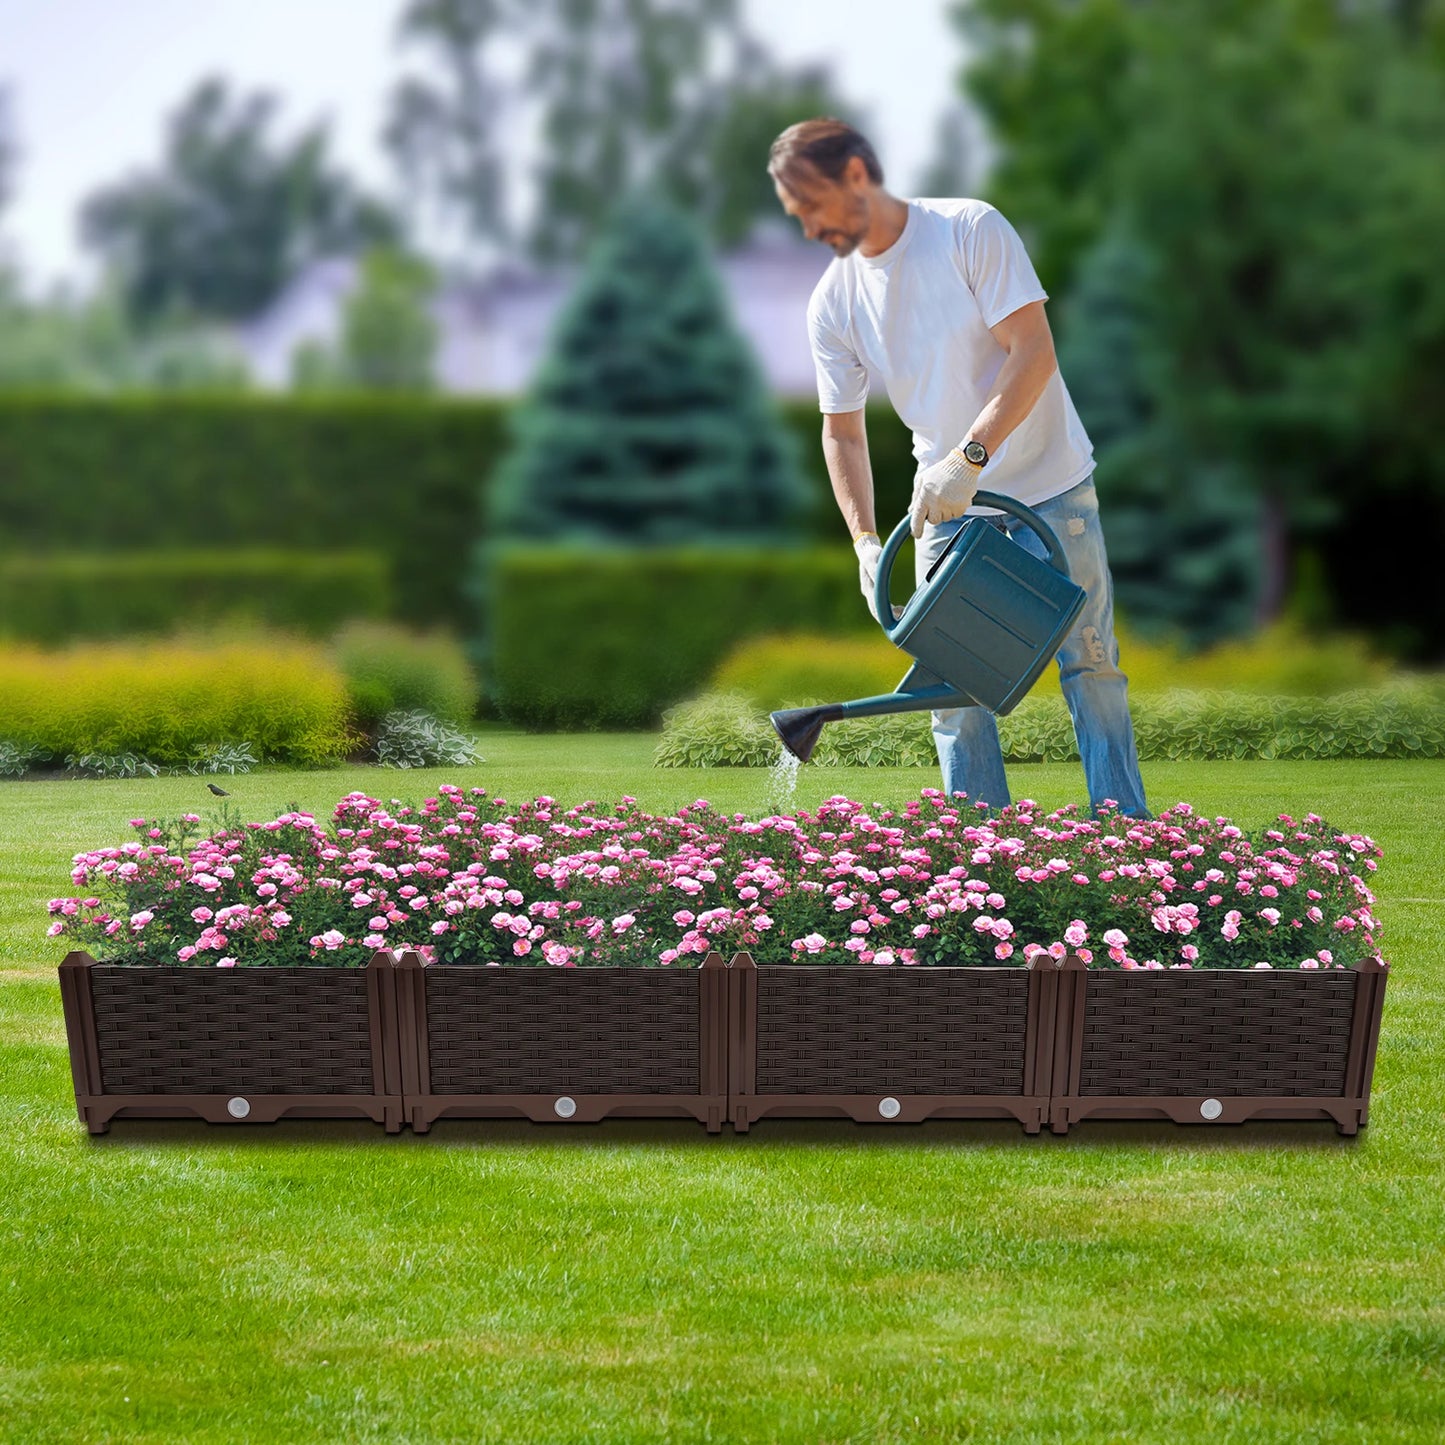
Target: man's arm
x=845 y=449
x=1026 y=337
x=946 y=489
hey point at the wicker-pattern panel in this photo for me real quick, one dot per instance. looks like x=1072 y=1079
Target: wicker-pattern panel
x=891 y=1030
x=243 y=1030
x=562 y=1031
x=1217 y=1032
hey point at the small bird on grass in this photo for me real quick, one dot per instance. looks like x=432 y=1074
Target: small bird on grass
x=219 y=792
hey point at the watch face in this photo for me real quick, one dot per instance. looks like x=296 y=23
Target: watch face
x=976 y=453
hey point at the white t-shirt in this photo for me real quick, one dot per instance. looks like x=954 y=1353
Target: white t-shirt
x=918 y=316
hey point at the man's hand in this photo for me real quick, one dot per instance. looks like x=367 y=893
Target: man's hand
x=944 y=491
x=869 y=550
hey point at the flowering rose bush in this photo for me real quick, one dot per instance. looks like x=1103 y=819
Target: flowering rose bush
x=464 y=879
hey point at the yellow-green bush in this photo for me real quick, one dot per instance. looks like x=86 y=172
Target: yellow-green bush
x=165 y=700
x=388 y=667
x=1280 y=661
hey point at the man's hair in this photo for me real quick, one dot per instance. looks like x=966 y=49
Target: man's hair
x=824 y=145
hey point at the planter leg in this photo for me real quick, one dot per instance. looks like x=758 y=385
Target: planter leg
x=393 y=1120
x=419 y=1123
x=714 y=1121
x=96 y=1126
x=740 y=1119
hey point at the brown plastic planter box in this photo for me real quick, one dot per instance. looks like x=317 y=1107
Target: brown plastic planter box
x=890 y=1045
x=1216 y=1045
x=232 y=1044
x=563 y=1044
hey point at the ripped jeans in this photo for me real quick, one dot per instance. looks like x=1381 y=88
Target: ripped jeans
x=1094 y=688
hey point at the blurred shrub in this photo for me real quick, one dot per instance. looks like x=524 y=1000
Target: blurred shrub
x=394 y=476
x=1278 y=661
x=768 y=669
x=169 y=702
x=50 y=599
x=389 y=669
x=402 y=476
x=1282 y=659
x=1401 y=719
x=595 y=638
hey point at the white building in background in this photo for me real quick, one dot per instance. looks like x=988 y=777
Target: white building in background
x=493 y=331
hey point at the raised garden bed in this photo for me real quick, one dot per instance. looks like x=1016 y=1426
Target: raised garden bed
x=574 y=966
x=401 y=1041
x=890 y=1045
x=232 y=1045
x=563 y=1044
x=1216 y=1046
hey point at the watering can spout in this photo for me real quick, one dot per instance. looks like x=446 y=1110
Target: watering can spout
x=801 y=727
x=919 y=691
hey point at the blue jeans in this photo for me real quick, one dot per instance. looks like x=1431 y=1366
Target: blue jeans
x=1094 y=688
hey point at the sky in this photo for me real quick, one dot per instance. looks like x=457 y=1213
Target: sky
x=92 y=82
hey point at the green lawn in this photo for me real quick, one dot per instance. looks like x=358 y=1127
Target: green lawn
x=809 y=1281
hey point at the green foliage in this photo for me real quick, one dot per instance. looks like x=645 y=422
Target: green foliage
x=395 y=476
x=54 y=598
x=230 y=216
x=606 y=638
x=392 y=476
x=89 y=345
x=1277 y=661
x=1403 y=719
x=17 y=759
x=1298 y=356
x=388 y=335
x=625 y=94
x=170 y=703
x=417 y=739
x=389 y=669
x=229 y=758
x=1184 y=532
x=111 y=765
x=648 y=420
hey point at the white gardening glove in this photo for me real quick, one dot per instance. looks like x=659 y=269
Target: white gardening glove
x=944 y=490
x=869 y=550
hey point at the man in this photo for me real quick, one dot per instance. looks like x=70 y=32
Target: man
x=939 y=300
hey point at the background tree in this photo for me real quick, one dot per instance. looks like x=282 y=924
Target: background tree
x=389 y=336
x=1279 y=161
x=648 y=421
x=231 y=215
x=671 y=95
x=8 y=148
x=64 y=342
x=1184 y=532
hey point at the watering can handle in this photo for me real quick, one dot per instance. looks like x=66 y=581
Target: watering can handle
x=1027 y=515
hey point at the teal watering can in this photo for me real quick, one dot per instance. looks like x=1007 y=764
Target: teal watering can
x=981 y=628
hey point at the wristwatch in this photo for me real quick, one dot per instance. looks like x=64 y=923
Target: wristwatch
x=975 y=453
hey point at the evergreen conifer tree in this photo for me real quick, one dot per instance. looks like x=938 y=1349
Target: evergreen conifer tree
x=1184 y=529
x=648 y=422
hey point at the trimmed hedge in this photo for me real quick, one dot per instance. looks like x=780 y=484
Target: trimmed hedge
x=167 y=702
x=388 y=475
x=1403 y=719
x=398 y=476
x=593 y=639
x=51 y=599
